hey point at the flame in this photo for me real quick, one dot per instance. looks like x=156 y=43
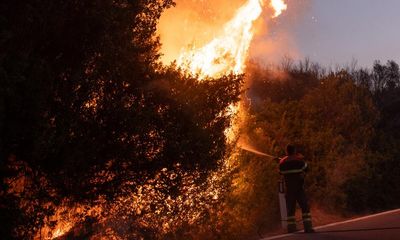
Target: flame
x=279 y=6
x=228 y=52
x=224 y=54
x=60 y=223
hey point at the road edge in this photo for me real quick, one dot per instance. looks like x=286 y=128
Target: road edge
x=336 y=223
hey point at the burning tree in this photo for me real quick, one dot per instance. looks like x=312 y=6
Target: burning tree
x=98 y=138
x=94 y=131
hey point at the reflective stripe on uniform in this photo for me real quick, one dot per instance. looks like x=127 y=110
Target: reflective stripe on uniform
x=291 y=171
x=294 y=170
x=291 y=220
x=306 y=217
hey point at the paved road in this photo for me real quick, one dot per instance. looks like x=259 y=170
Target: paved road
x=382 y=226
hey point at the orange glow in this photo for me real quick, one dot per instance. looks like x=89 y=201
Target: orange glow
x=227 y=52
x=65 y=218
x=223 y=54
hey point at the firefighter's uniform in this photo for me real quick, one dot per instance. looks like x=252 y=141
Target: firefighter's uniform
x=292 y=168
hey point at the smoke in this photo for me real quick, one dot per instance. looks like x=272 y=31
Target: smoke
x=276 y=38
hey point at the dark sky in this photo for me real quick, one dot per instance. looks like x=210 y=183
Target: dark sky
x=333 y=32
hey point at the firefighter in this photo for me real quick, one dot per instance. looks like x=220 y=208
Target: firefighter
x=293 y=168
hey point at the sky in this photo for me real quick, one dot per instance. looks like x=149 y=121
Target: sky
x=334 y=32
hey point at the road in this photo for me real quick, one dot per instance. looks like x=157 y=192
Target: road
x=382 y=226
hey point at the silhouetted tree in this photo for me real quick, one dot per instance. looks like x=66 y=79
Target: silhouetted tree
x=82 y=91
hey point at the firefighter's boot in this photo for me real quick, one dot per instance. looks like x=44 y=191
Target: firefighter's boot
x=291 y=224
x=308 y=228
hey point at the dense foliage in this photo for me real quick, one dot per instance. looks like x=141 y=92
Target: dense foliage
x=88 y=113
x=98 y=139
x=346 y=123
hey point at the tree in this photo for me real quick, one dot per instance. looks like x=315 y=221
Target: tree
x=87 y=107
x=331 y=119
x=338 y=128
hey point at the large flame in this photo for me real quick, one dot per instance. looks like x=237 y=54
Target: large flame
x=228 y=52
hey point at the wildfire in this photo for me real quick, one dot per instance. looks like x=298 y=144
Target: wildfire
x=228 y=52
x=279 y=6
x=224 y=54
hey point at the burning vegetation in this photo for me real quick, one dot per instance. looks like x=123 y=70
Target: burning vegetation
x=102 y=138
